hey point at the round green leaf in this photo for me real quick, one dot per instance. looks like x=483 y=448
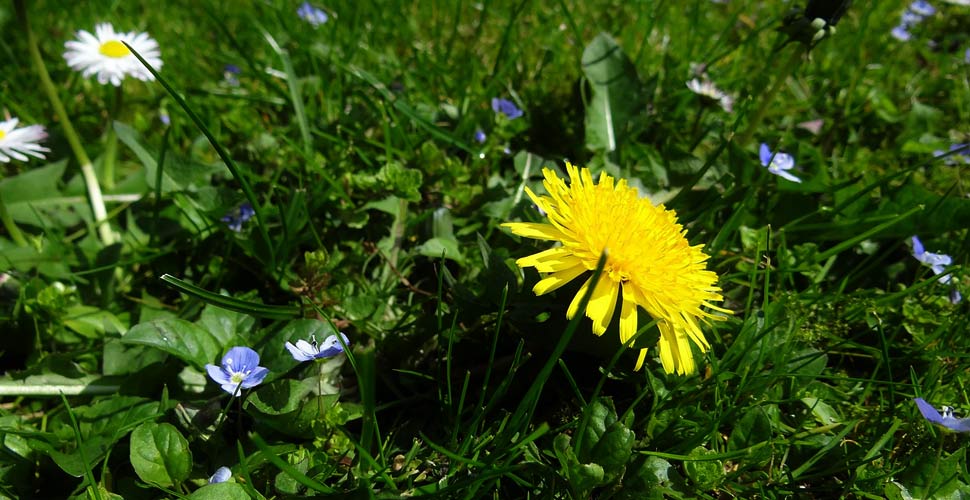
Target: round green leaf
x=159 y=454
x=219 y=491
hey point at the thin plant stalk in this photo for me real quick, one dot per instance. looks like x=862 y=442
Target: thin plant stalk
x=110 y=157
x=10 y=225
x=766 y=99
x=87 y=169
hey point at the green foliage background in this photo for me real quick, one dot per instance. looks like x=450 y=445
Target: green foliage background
x=379 y=217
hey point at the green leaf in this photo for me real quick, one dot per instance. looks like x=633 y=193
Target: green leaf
x=98 y=492
x=281 y=396
x=178 y=175
x=705 y=473
x=82 y=458
x=936 y=477
x=101 y=425
x=220 y=491
x=754 y=428
x=443 y=241
x=607 y=441
x=53 y=258
x=883 y=105
x=92 y=322
x=186 y=341
x=160 y=455
x=435 y=248
x=615 y=98
x=224 y=324
x=651 y=478
x=582 y=477
x=119 y=358
x=230 y=303
x=824 y=413
x=942 y=214
x=33 y=198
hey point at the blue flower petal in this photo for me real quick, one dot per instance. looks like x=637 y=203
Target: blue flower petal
x=240 y=359
x=506 y=107
x=217 y=374
x=239 y=370
x=946 y=419
x=918 y=249
x=900 y=33
x=957 y=424
x=765 y=154
x=931 y=414
x=298 y=353
x=221 y=475
x=922 y=8
x=255 y=378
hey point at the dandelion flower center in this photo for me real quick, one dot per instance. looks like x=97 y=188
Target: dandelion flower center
x=114 y=48
x=649 y=262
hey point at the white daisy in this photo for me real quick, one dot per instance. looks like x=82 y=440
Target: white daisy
x=16 y=142
x=104 y=54
x=708 y=90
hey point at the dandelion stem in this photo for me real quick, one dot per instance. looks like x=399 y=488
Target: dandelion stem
x=10 y=225
x=781 y=75
x=87 y=169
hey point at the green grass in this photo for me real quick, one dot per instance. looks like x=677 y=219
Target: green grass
x=379 y=215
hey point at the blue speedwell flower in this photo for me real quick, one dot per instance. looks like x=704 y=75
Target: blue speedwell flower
x=778 y=163
x=922 y=8
x=222 y=475
x=306 y=351
x=935 y=261
x=480 y=136
x=230 y=74
x=913 y=15
x=959 y=153
x=239 y=216
x=901 y=33
x=240 y=370
x=312 y=15
x=945 y=419
x=506 y=107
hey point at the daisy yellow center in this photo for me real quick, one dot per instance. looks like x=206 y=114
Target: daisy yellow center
x=649 y=262
x=114 y=48
x=2 y=134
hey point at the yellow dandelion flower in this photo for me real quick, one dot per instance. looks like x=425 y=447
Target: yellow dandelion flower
x=649 y=262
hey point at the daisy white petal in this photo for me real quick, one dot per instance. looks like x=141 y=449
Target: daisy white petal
x=709 y=92
x=103 y=54
x=18 y=143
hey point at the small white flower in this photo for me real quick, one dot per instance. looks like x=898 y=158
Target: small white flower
x=707 y=89
x=103 y=54
x=17 y=143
